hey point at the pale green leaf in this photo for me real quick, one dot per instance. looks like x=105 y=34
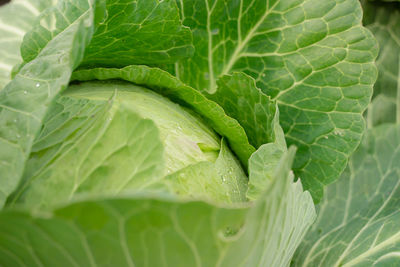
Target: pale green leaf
x=232 y=176
x=222 y=181
x=16 y=18
x=91 y=148
x=358 y=220
x=201 y=181
x=168 y=86
x=271 y=238
x=24 y=101
x=126 y=230
x=313 y=57
x=263 y=166
x=94 y=142
x=184 y=135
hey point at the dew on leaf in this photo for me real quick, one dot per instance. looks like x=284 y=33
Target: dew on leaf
x=215 y=31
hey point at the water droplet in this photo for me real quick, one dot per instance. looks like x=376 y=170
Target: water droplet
x=25 y=92
x=338 y=132
x=215 y=31
x=179 y=128
x=15 y=120
x=38 y=84
x=223 y=179
x=326 y=137
x=263 y=75
x=18 y=136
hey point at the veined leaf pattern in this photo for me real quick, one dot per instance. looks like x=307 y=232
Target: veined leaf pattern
x=313 y=57
x=358 y=219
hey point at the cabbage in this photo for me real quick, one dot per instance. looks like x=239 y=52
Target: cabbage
x=182 y=133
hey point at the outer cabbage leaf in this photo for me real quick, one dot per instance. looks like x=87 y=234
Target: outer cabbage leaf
x=169 y=86
x=270 y=239
x=263 y=168
x=383 y=19
x=358 y=220
x=92 y=148
x=259 y=116
x=313 y=57
x=254 y=110
x=24 y=101
x=128 y=35
x=16 y=18
x=124 y=35
x=127 y=230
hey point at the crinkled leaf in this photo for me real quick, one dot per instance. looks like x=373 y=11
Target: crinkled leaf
x=313 y=57
x=383 y=19
x=25 y=100
x=16 y=18
x=358 y=220
x=125 y=35
x=254 y=110
x=57 y=19
x=139 y=32
x=167 y=85
x=259 y=116
x=125 y=231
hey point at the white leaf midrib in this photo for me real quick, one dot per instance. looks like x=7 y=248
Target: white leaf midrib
x=349 y=246
x=390 y=241
x=28 y=6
